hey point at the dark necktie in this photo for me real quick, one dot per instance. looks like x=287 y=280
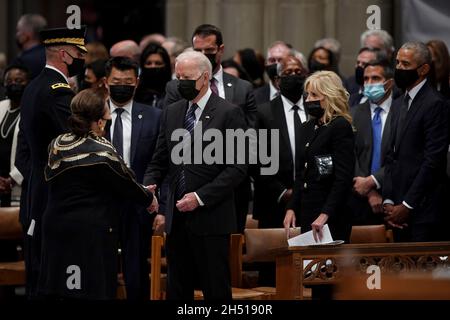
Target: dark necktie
x=402 y=117
x=297 y=129
x=214 y=86
x=189 y=123
x=376 y=138
x=117 y=138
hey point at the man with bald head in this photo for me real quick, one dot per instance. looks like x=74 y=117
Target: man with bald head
x=200 y=212
x=126 y=48
x=275 y=53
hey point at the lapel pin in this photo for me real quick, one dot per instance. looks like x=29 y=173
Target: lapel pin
x=207 y=117
x=140 y=116
x=229 y=84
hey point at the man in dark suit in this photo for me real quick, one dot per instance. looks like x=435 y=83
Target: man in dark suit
x=133 y=131
x=284 y=113
x=208 y=40
x=372 y=121
x=27 y=38
x=275 y=53
x=200 y=210
x=44 y=113
x=415 y=167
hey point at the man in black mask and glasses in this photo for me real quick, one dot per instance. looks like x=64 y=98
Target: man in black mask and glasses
x=44 y=113
x=415 y=170
x=133 y=132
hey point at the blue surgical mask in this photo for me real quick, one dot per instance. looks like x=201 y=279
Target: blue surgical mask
x=374 y=92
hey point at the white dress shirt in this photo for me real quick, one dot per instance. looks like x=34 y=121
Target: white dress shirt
x=218 y=76
x=127 y=125
x=289 y=115
x=273 y=91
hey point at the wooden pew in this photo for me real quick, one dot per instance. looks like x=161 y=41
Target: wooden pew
x=12 y=273
x=327 y=263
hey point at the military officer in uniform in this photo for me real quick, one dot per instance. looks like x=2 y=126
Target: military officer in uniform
x=44 y=116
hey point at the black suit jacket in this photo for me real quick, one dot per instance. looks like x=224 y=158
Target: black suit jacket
x=262 y=94
x=237 y=91
x=33 y=59
x=144 y=133
x=213 y=183
x=415 y=167
x=268 y=188
x=362 y=122
x=316 y=193
x=44 y=113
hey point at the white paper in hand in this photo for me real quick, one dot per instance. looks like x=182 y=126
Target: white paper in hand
x=307 y=238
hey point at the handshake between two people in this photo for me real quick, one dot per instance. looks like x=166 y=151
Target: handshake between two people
x=188 y=203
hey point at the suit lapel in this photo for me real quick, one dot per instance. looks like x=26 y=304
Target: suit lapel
x=208 y=111
x=367 y=119
x=279 y=119
x=229 y=83
x=136 y=126
x=386 y=135
x=415 y=106
x=108 y=126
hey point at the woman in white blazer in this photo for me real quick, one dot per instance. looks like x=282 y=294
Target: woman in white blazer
x=16 y=79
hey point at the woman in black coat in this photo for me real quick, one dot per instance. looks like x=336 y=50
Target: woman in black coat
x=88 y=181
x=325 y=163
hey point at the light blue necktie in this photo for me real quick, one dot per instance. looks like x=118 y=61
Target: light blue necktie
x=376 y=146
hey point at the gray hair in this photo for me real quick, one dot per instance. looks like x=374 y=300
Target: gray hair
x=34 y=23
x=298 y=55
x=331 y=44
x=385 y=37
x=421 y=52
x=276 y=44
x=200 y=60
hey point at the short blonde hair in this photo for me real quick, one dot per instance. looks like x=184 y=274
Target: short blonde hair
x=328 y=84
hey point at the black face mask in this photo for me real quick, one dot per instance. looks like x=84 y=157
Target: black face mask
x=314 y=109
x=187 y=89
x=153 y=78
x=405 y=78
x=76 y=67
x=271 y=71
x=121 y=93
x=292 y=87
x=85 y=85
x=315 y=65
x=212 y=58
x=15 y=91
x=359 y=75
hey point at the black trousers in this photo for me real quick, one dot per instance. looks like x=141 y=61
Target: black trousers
x=136 y=232
x=189 y=255
x=32 y=257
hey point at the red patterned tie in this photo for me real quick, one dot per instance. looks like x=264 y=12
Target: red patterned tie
x=214 y=87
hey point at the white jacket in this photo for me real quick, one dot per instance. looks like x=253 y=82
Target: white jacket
x=14 y=173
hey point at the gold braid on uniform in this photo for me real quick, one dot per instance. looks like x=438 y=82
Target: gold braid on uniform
x=70 y=151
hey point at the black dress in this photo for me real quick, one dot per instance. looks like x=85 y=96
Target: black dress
x=87 y=182
x=324 y=176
